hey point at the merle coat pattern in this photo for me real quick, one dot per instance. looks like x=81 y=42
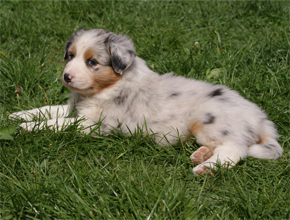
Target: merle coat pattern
x=110 y=83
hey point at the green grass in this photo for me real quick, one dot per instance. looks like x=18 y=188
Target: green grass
x=66 y=175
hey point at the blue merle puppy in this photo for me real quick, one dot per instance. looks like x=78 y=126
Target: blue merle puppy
x=110 y=83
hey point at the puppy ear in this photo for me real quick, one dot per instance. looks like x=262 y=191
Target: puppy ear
x=122 y=53
x=71 y=40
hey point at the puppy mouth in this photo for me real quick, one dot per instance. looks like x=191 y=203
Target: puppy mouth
x=85 y=89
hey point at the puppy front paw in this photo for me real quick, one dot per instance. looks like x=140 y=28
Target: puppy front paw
x=25 y=115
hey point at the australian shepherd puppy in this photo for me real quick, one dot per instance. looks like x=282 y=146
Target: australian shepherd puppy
x=109 y=83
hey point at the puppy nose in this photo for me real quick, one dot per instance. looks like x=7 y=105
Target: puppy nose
x=67 y=77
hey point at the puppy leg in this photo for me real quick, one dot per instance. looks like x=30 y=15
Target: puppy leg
x=201 y=154
x=45 y=112
x=56 y=124
x=226 y=154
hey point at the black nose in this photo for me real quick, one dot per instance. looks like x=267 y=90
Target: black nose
x=67 y=77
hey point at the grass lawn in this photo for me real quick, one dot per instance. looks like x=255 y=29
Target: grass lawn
x=45 y=175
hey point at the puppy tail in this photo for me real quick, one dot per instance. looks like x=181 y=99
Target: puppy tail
x=267 y=147
x=271 y=150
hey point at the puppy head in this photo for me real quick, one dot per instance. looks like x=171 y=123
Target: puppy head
x=96 y=59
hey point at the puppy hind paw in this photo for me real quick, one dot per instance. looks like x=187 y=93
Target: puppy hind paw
x=201 y=154
x=200 y=170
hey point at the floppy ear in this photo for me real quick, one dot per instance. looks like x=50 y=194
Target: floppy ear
x=122 y=53
x=71 y=40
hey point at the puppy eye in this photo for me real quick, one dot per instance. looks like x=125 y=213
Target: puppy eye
x=91 y=62
x=71 y=56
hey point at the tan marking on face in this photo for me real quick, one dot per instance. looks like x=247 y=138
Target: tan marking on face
x=89 y=54
x=72 y=49
x=104 y=78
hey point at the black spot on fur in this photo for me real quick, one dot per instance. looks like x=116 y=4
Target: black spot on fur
x=67 y=45
x=109 y=63
x=174 y=94
x=225 y=132
x=216 y=92
x=120 y=99
x=117 y=63
x=209 y=119
x=131 y=52
x=269 y=146
x=106 y=41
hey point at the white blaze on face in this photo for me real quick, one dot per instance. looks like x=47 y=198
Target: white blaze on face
x=79 y=73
